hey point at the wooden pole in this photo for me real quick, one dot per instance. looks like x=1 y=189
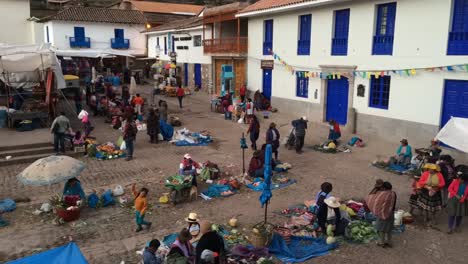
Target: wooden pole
x=266 y=211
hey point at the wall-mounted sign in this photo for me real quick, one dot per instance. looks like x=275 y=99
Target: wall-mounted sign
x=267 y=64
x=361 y=90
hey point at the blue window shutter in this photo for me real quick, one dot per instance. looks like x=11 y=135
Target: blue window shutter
x=268 y=37
x=119 y=33
x=173 y=44
x=79 y=32
x=458 y=37
x=157 y=42
x=302 y=85
x=47 y=34
x=379 y=92
x=305 y=27
x=165 y=45
x=384 y=29
x=340 y=40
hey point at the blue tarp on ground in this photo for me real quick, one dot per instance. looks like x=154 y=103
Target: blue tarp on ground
x=7 y=205
x=167 y=131
x=199 y=141
x=299 y=249
x=215 y=190
x=274 y=186
x=67 y=254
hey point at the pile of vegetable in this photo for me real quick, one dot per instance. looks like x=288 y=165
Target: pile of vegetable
x=360 y=231
x=178 y=182
x=231 y=237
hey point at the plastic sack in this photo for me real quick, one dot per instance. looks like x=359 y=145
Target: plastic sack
x=7 y=205
x=46 y=207
x=240 y=121
x=82 y=114
x=160 y=136
x=119 y=141
x=164 y=199
x=107 y=198
x=123 y=146
x=93 y=200
x=118 y=191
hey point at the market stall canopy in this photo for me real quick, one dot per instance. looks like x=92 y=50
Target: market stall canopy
x=51 y=170
x=67 y=254
x=28 y=59
x=95 y=53
x=455 y=134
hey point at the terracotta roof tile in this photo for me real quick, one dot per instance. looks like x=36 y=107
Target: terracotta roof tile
x=167 y=8
x=99 y=15
x=224 y=9
x=268 y=4
x=179 y=24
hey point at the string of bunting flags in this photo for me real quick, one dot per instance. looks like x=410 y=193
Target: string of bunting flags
x=364 y=74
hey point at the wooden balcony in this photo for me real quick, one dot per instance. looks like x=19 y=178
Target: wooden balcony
x=237 y=45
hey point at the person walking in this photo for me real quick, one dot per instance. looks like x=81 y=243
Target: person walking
x=300 y=126
x=129 y=135
x=141 y=204
x=382 y=205
x=272 y=137
x=243 y=92
x=180 y=95
x=152 y=124
x=457 y=205
x=138 y=101
x=59 y=127
x=254 y=131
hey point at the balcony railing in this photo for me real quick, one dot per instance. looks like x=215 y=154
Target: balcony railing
x=458 y=43
x=80 y=42
x=340 y=46
x=226 y=45
x=119 y=43
x=383 y=45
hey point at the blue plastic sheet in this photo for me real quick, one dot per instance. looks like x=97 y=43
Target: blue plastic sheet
x=215 y=190
x=299 y=249
x=169 y=239
x=7 y=205
x=397 y=168
x=200 y=141
x=167 y=131
x=67 y=254
x=274 y=186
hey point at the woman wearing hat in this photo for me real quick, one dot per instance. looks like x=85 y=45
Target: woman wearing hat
x=181 y=251
x=430 y=185
x=189 y=167
x=193 y=224
x=330 y=215
x=273 y=137
x=457 y=205
x=403 y=154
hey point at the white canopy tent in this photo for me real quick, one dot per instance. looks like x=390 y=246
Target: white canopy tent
x=455 y=134
x=94 y=53
x=20 y=60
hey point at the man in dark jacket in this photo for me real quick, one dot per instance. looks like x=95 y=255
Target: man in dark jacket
x=300 y=126
x=210 y=240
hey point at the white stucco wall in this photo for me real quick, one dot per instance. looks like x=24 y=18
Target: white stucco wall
x=16 y=28
x=421 y=35
x=192 y=55
x=99 y=34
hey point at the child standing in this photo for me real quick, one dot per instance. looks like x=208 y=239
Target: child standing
x=141 y=205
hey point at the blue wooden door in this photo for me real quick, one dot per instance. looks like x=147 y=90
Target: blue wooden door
x=337 y=100
x=266 y=88
x=186 y=74
x=197 y=69
x=455 y=100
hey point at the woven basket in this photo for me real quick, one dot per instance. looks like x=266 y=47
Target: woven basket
x=262 y=239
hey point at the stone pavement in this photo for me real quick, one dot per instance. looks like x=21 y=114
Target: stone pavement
x=106 y=235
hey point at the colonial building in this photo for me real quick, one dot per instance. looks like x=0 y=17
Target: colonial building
x=183 y=40
x=225 y=40
x=91 y=29
x=16 y=25
x=394 y=68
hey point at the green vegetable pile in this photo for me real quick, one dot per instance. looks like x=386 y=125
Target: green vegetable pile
x=360 y=231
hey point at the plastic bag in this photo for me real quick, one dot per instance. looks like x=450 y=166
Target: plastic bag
x=93 y=200
x=240 y=121
x=119 y=141
x=160 y=136
x=46 y=207
x=107 y=198
x=118 y=191
x=123 y=146
x=82 y=114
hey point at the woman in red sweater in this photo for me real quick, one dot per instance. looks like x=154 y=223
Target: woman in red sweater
x=457 y=205
x=429 y=185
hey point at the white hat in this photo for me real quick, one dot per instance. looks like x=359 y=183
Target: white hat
x=187 y=156
x=192 y=218
x=304 y=118
x=332 y=202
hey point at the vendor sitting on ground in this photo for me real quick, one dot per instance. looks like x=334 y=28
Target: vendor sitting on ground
x=73 y=188
x=403 y=154
x=181 y=251
x=330 y=215
x=256 y=165
x=189 y=167
x=335 y=132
